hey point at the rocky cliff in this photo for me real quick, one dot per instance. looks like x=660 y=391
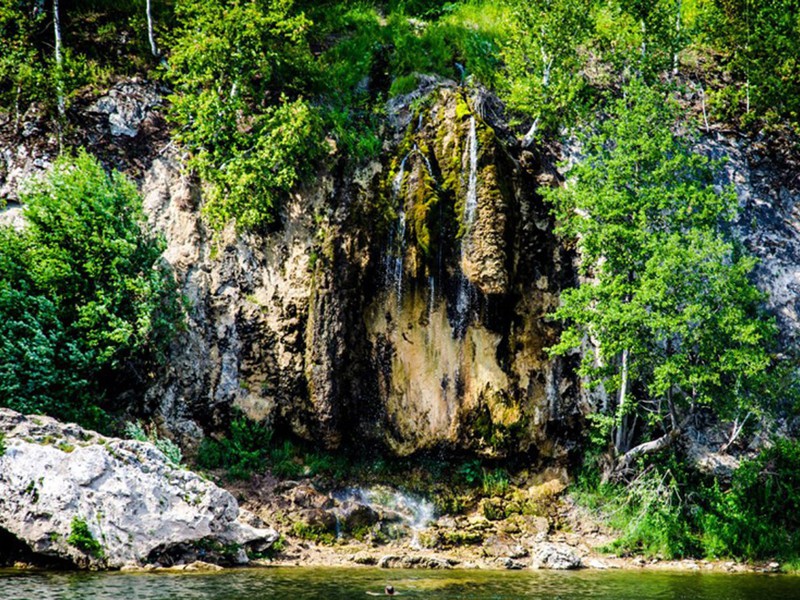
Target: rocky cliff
x=401 y=301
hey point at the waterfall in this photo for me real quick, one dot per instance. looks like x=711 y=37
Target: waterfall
x=415 y=512
x=465 y=290
x=396 y=251
x=471 y=205
x=395 y=255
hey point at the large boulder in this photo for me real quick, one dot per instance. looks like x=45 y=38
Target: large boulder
x=559 y=557
x=98 y=502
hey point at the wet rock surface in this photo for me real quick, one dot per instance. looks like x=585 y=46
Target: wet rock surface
x=135 y=506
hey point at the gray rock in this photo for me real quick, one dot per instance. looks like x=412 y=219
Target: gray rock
x=318 y=519
x=135 y=503
x=357 y=516
x=127 y=104
x=559 y=557
x=392 y=561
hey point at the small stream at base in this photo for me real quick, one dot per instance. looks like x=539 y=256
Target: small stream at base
x=303 y=583
x=415 y=512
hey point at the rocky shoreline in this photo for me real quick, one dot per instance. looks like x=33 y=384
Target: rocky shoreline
x=72 y=498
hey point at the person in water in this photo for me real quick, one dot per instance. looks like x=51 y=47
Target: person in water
x=388 y=591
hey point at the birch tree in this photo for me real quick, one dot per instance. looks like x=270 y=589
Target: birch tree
x=59 y=61
x=542 y=68
x=150 y=33
x=665 y=314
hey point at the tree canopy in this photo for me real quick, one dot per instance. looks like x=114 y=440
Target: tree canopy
x=85 y=301
x=666 y=315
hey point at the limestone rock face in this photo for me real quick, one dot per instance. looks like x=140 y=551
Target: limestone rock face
x=457 y=331
x=127 y=105
x=764 y=172
x=398 y=302
x=136 y=505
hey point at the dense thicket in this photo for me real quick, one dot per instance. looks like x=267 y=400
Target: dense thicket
x=260 y=84
x=86 y=305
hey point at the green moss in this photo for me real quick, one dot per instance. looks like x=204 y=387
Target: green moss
x=462 y=538
x=425 y=200
x=65 y=447
x=403 y=84
x=462 y=108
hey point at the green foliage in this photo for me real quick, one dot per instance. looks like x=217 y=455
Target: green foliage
x=471 y=472
x=315 y=534
x=670 y=511
x=81 y=538
x=673 y=319
x=250 y=447
x=761 y=42
x=22 y=78
x=232 y=64
x=2 y=444
x=759 y=515
x=542 y=76
x=84 y=299
x=136 y=431
x=242 y=452
x=495 y=482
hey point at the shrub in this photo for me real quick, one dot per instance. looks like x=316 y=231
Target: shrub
x=85 y=303
x=135 y=431
x=759 y=515
x=81 y=538
x=242 y=452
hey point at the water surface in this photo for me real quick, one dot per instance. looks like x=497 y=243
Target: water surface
x=340 y=584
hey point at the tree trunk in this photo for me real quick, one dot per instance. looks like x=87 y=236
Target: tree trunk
x=59 y=74
x=652 y=446
x=150 y=35
x=619 y=443
x=677 y=36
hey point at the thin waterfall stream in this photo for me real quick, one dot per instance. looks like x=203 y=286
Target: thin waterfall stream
x=465 y=289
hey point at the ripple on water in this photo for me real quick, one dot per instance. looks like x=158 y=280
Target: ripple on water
x=340 y=584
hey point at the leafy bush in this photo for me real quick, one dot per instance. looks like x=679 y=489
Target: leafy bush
x=2 y=444
x=135 y=431
x=759 y=515
x=242 y=452
x=85 y=303
x=671 y=511
x=81 y=538
x=236 y=68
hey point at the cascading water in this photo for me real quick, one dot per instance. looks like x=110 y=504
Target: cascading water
x=471 y=205
x=395 y=255
x=465 y=289
x=416 y=513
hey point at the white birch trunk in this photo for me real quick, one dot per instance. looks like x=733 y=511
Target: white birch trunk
x=150 y=34
x=59 y=77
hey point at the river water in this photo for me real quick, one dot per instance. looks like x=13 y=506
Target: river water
x=340 y=584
